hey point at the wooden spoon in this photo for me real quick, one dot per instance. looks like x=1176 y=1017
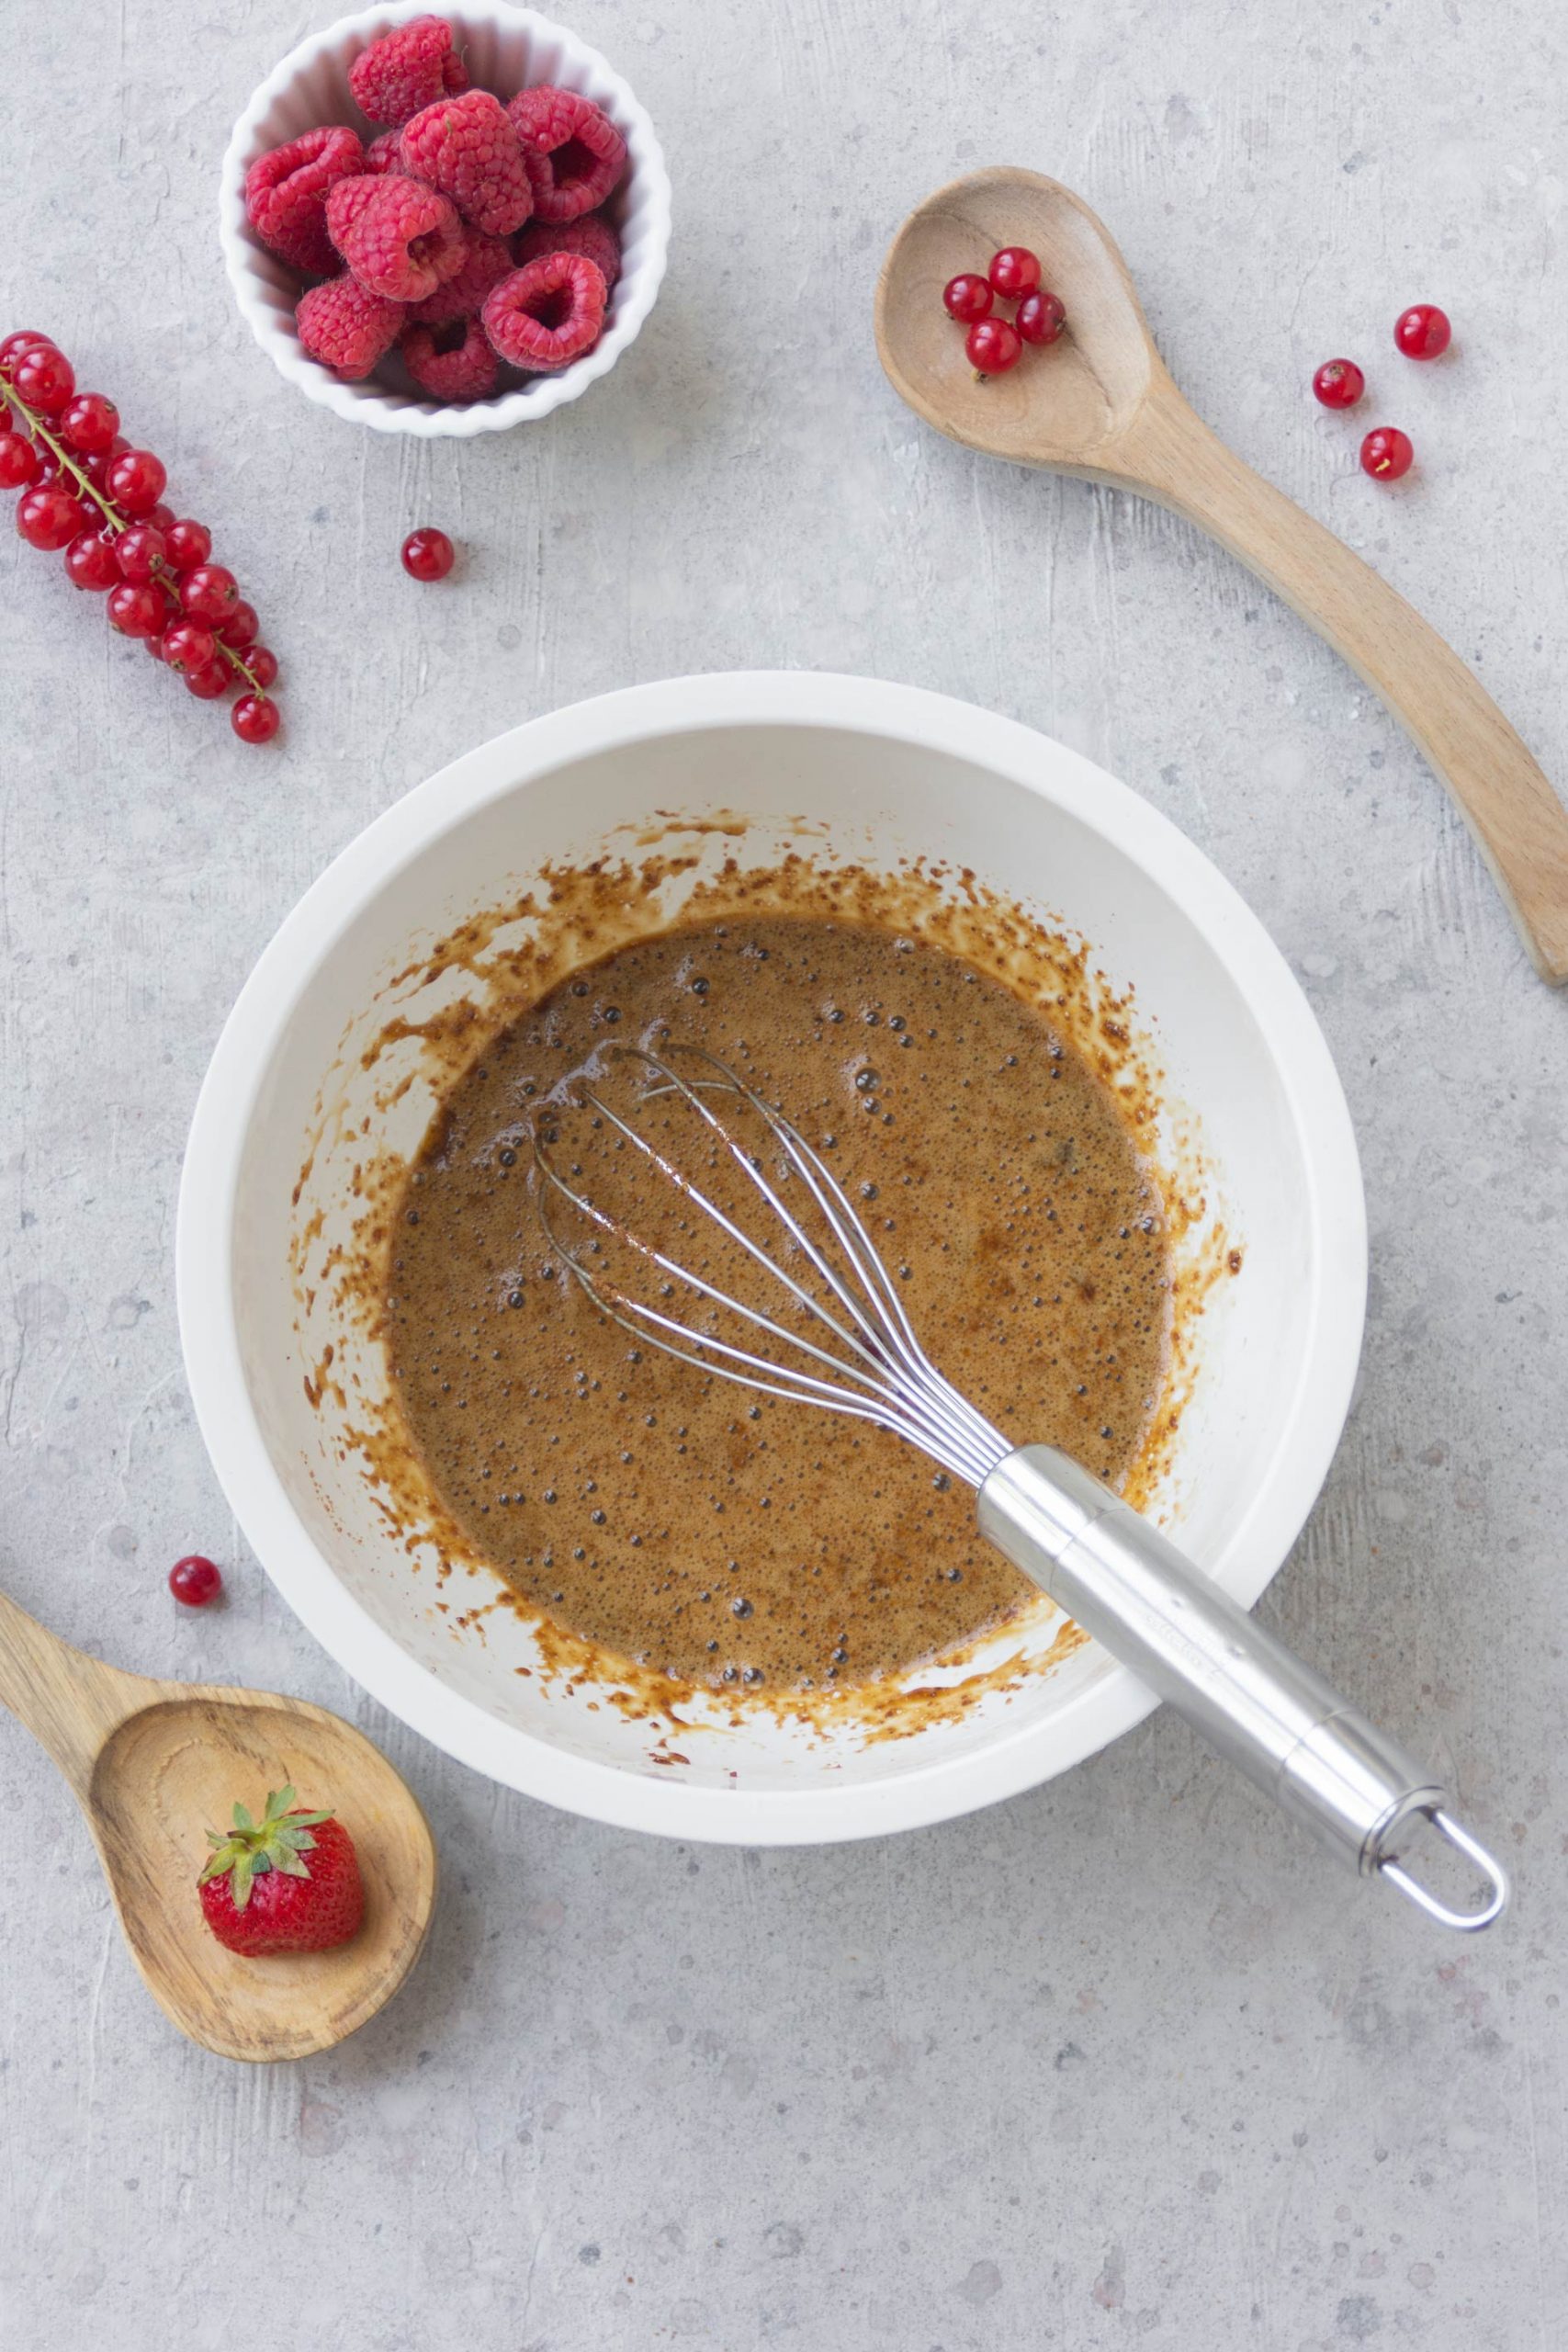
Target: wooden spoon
x=1099 y=404
x=153 y=1766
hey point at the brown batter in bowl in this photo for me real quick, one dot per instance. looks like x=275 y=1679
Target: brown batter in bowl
x=746 y=1541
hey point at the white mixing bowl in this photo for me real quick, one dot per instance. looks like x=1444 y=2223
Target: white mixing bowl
x=875 y=770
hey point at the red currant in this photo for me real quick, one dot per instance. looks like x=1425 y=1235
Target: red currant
x=968 y=297
x=213 y=678
x=139 y=552
x=1338 y=383
x=208 y=593
x=97 y=466
x=135 y=609
x=255 y=718
x=195 y=1580
x=1423 y=332
x=15 y=345
x=49 y=517
x=993 y=346
x=427 y=555
x=162 y=518
x=1040 y=316
x=136 y=479
x=262 y=664
x=44 y=378
x=189 y=544
x=1386 y=453
x=19 y=460
x=240 y=629
x=1014 y=271
x=90 y=562
x=188 y=645
x=88 y=423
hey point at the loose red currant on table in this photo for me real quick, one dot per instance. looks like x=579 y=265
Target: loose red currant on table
x=44 y=378
x=1338 y=383
x=188 y=543
x=968 y=297
x=1014 y=272
x=208 y=593
x=1040 y=316
x=88 y=424
x=195 y=1580
x=1386 y=454
x=427 y=555
x=135 y=481
x=993 y=346
x=19 y=460
x=139 y=552
x=90 y=562
x=135 y=610
x=1423 y=332
x=255 y=718
x=49 y=517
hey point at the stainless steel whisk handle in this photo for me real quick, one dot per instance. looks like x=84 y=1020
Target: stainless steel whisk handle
x=1255 y=1703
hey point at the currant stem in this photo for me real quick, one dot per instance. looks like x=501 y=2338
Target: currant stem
x=39 y=431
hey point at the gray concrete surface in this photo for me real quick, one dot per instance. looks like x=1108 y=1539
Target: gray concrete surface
x=1114 y=2064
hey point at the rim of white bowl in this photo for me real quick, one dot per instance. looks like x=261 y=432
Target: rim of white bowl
x=1017 y=1758
x=373 y=404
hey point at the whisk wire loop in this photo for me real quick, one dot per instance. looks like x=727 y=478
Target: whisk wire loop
x=885 y=1379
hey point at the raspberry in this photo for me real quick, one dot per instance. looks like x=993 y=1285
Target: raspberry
x=286 y=193
x=548 y=314
x=453 y=362
x=346 y=328
x=486 y=262
x=400 y=239
x=593 y=237
x=575 y=155
x=467 y=147
x=406 y=70
x=382 y=155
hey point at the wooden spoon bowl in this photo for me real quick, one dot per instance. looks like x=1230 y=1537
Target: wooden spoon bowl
x=155 y=1765
x=1100 y=404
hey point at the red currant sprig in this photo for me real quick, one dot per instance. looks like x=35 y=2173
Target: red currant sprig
x=87 y=493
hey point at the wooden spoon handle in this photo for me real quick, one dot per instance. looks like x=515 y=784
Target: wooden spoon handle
x=66 y=1700
x=1515 y=817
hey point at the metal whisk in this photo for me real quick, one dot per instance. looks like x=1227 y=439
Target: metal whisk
x=839 y=1337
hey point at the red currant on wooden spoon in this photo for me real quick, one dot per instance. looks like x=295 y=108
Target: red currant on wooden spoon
x=1039 y=317
x=968 y=297
x=993 y=345
x=1014 y=272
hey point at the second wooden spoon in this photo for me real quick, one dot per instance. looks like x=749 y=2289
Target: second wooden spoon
x=1100 y=404
x=153 y=1766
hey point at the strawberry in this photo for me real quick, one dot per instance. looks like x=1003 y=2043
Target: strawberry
x=259 y=1895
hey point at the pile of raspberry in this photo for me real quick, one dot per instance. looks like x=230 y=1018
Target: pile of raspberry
x=87 y=495
x=467 y=235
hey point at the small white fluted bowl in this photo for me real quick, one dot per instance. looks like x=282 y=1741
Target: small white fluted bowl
x=505 y=49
